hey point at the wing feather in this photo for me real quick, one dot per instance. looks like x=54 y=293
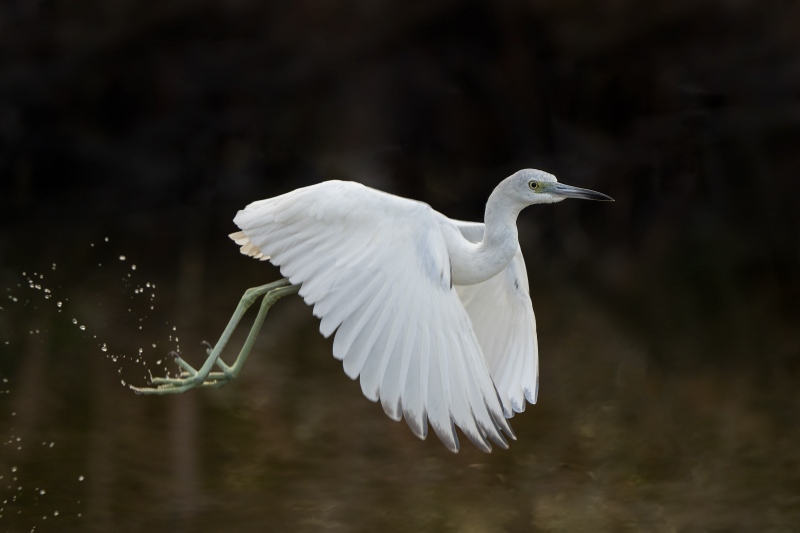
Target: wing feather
x=375 y=366
x=437 y=400
x=504 y=323
x=356 y=318
x=463 y=411
x=376 y=270
x=364 y=345
x=412 y=396
x=479 y=409
x=395 y=375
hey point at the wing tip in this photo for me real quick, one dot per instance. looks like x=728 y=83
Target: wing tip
x=395 y=412
x=532 y=395
x=419 y=427
x=480 y=440
x=447 y=434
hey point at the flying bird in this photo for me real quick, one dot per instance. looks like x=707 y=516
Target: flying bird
x=433 y=314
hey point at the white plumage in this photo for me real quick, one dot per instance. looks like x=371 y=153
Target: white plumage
x=433 y=314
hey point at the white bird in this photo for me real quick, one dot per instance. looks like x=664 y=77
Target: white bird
x=432 y=313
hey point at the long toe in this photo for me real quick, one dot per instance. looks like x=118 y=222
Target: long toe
x=184 y=365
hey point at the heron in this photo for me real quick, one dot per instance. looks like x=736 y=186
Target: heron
x=433 y=314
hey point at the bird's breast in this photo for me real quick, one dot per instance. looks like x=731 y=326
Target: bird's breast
x=473 y=263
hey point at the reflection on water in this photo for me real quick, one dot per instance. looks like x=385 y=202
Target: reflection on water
x=617 y=442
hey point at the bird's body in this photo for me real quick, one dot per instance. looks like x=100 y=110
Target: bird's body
x=433 y=314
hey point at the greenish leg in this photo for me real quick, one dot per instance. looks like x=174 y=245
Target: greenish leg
x=191 y=378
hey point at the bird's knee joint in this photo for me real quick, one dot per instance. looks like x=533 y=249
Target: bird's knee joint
x=276 y=294
x=251 y=295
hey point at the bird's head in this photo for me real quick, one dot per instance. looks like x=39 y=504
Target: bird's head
x=539 y=187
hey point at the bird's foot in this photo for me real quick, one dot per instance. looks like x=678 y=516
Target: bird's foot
x=189 y=377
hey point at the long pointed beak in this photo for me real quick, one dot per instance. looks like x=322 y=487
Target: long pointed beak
x=568 y=191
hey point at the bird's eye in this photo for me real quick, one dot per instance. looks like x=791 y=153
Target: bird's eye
x=534 y=185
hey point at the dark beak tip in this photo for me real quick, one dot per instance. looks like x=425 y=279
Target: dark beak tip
x=601 y=197
x=569 y=191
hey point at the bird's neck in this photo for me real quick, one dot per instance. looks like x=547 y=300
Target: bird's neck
x=499 y=245
x=500 y=241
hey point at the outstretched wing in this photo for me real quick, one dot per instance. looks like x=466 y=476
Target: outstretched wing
x=376 y=269
x=503 y=320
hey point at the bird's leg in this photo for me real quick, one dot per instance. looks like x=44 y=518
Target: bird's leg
x=230 y=372
x=203 y=377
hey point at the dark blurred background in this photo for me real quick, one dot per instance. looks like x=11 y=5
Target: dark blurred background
x=668 y=321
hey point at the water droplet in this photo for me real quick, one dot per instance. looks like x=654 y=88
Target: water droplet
x=13 y=468
x=42 y=492
x=59 y=304
x=83 y=328
x=106 y=239
x=133 y=267
x=104 y=348
x=52 y=444
x=122 y=381
x=122 y=258
x=80 y=478
x=74 y=320
x=55 y=513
